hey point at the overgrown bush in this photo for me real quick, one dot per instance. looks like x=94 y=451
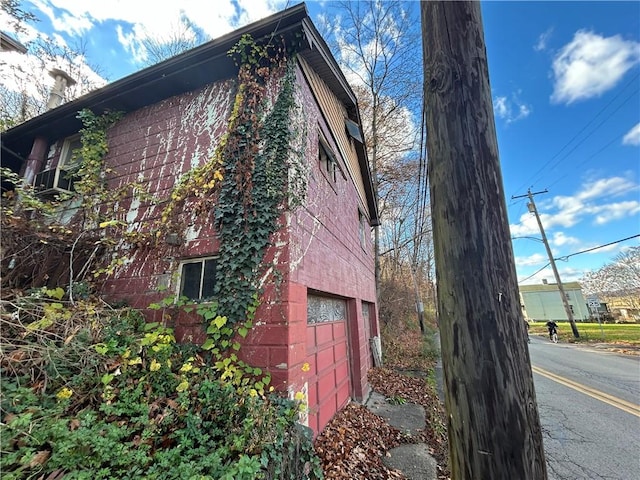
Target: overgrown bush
x=89 y=391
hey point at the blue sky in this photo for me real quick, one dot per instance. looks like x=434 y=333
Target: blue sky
x=565 y=80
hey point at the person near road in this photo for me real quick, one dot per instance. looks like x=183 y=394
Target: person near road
x=552 y=327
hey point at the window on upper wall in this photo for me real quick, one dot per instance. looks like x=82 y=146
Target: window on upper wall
x=362 y=226
x=353 y=129
x=59 y=179
x=70 y=155
x=198 y=278
x=327 y=160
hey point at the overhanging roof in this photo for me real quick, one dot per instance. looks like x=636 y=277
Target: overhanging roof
x=9 y=43
x=186 y=72
x=549 y=287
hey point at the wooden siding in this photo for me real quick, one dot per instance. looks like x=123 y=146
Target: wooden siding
x=334 y=114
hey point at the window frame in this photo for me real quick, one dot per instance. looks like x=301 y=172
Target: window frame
x=362 y=229
x=66 y=153
x=182 y=278
x=328 y=162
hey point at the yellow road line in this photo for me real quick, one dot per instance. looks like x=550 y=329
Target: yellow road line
x=628 y=407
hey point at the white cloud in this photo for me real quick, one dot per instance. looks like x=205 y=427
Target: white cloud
x=131 y=43
x=590 y=65
x=134 y=23
x=567 y=274
x=72 y=25
x=615 y=211
x=500 y=107
x=632 y=137
x=608 y=248
x=559 y=239
x=542 y=40
x=612 y=186
x=531 y=260
x=510 y=109
x=593 y=202
x=536 y=279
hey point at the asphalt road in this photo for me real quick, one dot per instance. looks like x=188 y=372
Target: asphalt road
x=589 y=407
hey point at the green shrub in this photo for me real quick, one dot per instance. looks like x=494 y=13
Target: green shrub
x=121 y=399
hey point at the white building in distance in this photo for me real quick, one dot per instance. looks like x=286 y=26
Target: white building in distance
x=543 y=302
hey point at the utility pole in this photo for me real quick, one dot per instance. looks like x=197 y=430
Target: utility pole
x=567 y=308
x=493 y=424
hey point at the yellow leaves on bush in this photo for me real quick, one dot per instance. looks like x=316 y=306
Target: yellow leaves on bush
x=188 y=367
x=182 y=386
x=64 y=393
x=155 y=365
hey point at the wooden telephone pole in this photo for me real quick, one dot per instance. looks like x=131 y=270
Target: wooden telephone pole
x=494 y=429
x=552 y=261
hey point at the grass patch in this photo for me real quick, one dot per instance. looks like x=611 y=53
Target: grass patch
x=624 y=333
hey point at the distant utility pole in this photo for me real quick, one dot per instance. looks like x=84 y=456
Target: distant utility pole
x=494 y=428
x=565 y=302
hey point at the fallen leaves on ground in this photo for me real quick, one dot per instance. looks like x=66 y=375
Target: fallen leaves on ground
x=353 y=443
x=403 y=348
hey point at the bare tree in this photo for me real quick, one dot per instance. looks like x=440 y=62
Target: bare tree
x=26 y=85
x=184 y=36
x=617 y=281
x=378 y=46
x=18 y=17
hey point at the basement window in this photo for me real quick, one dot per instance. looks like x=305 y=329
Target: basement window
x=198 y=278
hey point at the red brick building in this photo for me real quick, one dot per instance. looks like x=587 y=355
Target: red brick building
x=313 y=329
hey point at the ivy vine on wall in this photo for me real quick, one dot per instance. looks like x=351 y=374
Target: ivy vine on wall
x=256 y=174
x=244 y=186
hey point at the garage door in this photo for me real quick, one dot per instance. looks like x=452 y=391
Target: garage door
x=327 y=355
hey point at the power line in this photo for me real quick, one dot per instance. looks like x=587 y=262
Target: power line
x=534 y=274
x=588 y=159
x=598 y=126
x=566 y=257
x=545 y=166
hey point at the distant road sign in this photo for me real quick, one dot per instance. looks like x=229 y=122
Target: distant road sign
x=594 y=303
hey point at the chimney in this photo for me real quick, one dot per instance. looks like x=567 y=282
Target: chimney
x=62 y=81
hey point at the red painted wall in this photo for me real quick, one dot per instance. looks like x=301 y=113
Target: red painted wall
x=319 y=250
